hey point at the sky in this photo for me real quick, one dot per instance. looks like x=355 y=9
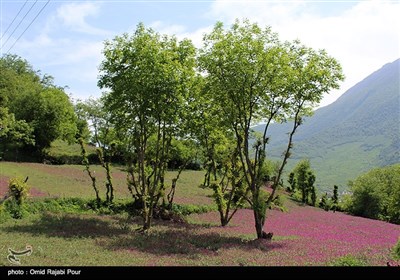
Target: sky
x=65 y=38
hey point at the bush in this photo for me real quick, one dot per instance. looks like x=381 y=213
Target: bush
x=296 y=195
x=4 y=214
x=349 y=260
x=396 y=250
x=15 y=210
x=18 y=190
x=376 y=194
x=278 y=203
x=186 y=210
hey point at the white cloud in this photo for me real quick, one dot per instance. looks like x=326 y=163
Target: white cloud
x=73 y=16
x=362 y=38
x=71 y=59
x=181 y=31
x=169 y=29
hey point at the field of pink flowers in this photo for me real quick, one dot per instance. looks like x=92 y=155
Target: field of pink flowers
x=312 y=236
x=302 y=236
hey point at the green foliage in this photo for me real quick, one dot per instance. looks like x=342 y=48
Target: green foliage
x=349 y=260
x=354 y=143
x=246 y=91
x=61 y=152
x=292 y=182
x=18 y=190
x=86 y=163
x=278 y=203
x=303 y=179
x=313 y=196
x=376 y=194
x=325 y=202
x=396 y=250
x=149 y=78
x=39 y=111
x=296 y=195
x=189 y=209
x=335 y=199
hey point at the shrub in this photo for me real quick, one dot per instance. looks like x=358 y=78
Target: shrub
x=396 y=250
x=4 y=214
x=376 y=194
x=18 y=190
x=349 y=260
x=15 y=210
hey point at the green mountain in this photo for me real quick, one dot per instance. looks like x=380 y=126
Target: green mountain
x=359 y=131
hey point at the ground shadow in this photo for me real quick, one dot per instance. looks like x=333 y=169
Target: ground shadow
x=69 y=226
x=165 y=238
x=186 y=239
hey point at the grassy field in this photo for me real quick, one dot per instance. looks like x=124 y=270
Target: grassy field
x=73 y=181
x=302 y=235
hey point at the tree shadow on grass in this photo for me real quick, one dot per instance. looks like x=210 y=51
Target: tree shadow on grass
x=69 y=226
x=165 y=238
x=185 y=240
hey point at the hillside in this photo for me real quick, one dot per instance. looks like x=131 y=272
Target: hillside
x=303 y=235
x=357 y=132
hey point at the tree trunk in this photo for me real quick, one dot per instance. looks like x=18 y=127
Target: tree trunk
x=224 y=220
x=259 y=223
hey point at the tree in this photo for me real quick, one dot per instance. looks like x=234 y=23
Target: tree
x=324 y=204
x=335 y=198
x=35 y=100
x=252 y=76
x=313 y=196
x=148 y=78
x=305 y=179
x=310 y=187
x=92 y=111
x=302 y=171
x=85 y=162
x=292 y=182
x=376 y=194
x=218 y=152
x=13 y=132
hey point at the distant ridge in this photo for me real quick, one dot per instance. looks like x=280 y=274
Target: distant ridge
x=357 y=132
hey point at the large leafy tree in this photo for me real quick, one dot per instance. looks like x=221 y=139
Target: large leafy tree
x=148 y=77
x=305 y=178
x=12 y=131
x=252 y=77
x=376 y=194
x=34 y=99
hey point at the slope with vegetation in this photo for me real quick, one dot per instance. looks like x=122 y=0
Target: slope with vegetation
x=33 y=111
x=376 y=194
x=68 y=231
x=357 y=132
x=159 y=113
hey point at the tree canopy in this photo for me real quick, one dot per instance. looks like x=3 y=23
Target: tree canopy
x=252 y=76
x=38 y=112
x=148 y=78
x=376 y=194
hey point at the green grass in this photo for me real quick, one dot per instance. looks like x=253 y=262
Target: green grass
x=338 y=164
x=95 y=240
x=72 y=181
x=59 y=147
x=349 y=260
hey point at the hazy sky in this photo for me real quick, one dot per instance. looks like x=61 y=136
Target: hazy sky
x=66 y=39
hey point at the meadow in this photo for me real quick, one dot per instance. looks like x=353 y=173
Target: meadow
x=303 y=235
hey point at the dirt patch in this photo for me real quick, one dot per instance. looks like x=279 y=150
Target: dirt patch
x=3 y=185
x=33 y=192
